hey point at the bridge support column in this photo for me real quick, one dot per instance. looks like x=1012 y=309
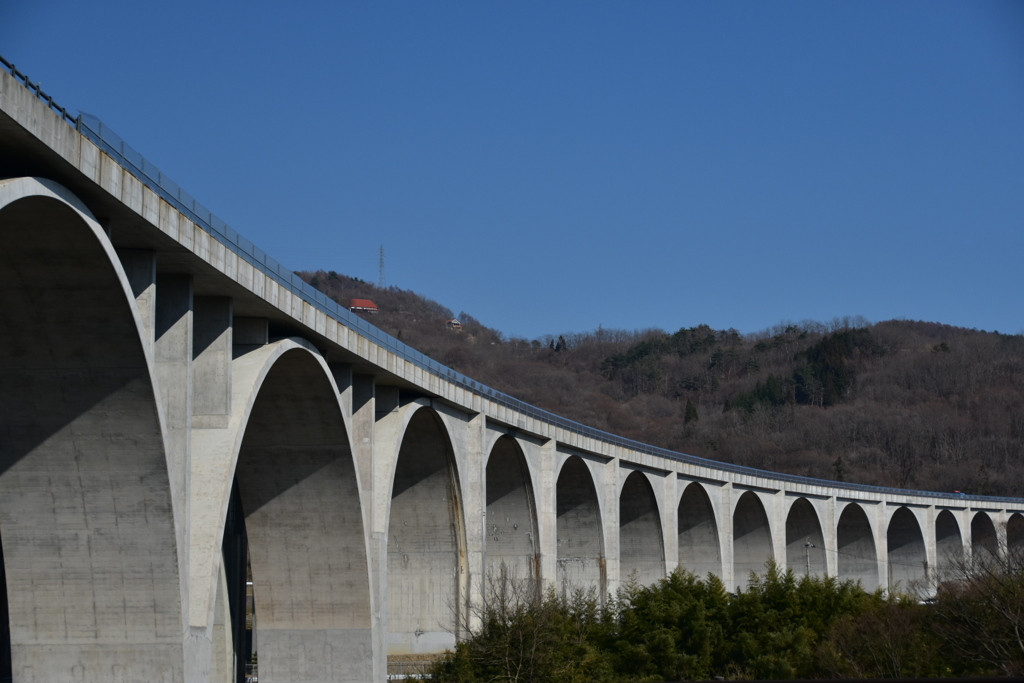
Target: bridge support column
x=173 y=347
x=725 y=526
x=1000 y=518
x=879 y=529
x=669 y=511
x=140 y=269
x=361 y=406
x=474 y=496
x=931 y=551
x=211 y=373
x=828 y=530
x=777 y=517
x=210 y=387
x=547 y=514
x=172 y=344
x=607 y=479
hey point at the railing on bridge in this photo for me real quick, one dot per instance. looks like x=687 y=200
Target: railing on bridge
x=100 y=134
x=38 y=90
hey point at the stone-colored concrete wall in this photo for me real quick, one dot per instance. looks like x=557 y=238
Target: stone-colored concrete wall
x=580 y=534
x=908 y=559
x=426 y=568
x=805 y=542
x=699 y=540
x=86 y=512
x=752 y=538
x=510 y=532
x=641 y=541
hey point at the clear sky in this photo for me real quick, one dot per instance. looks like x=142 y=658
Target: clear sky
x=549 y=167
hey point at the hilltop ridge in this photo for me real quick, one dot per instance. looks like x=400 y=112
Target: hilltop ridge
x=895 y=403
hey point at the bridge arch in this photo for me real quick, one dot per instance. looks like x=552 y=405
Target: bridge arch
x=984 y=541
x=805 y=542
x=1015 y=534
x=700 y=548
x=91 y=555
x=855 y=544
x=641 y=543
x=908 y=560
x=752 y=539
x=281 y=481
x=949 y=543
x=426 y=553
x=579 y=529
x=299 y=493
x=511 y=514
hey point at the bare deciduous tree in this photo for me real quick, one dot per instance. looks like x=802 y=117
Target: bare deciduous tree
x=980 y=606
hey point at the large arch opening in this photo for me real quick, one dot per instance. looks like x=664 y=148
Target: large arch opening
x=949 y=544
x=805 y=543
x=299 y=494
x=426 y=546
x=700 y=550
x=641 y=544
x=579 y=531
x=511 y=529
x=752 y=539
x=908 y=559
x=856 y=546
x=1015 y=534
x=89 y=546
x=984 y=542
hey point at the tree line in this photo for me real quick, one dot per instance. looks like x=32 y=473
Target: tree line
x=779 y=627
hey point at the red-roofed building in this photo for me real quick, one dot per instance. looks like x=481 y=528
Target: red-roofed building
x=362 y=306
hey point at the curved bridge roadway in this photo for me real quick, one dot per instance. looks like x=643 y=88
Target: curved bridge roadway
x=176 y=407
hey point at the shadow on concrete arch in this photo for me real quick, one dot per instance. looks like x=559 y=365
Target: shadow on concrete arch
x=949 y=543
x=858 y=560
x=700 y=548
x=908 y=561
x=426 y=542
x=86 y=516
x=1015 y=534
x=751 y=538
x=300 y=496
x=805 y=542
x=579 y=531
x=511 y=516
x=984 y=542
x=641 y=545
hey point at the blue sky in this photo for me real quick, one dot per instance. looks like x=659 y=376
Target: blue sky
x=549 y=167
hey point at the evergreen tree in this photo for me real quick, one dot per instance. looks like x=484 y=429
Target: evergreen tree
x=690 y=413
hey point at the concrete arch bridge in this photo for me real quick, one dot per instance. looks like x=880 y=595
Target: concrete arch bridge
x=178 y=413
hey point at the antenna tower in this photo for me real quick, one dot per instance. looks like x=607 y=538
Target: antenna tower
x=382 y=281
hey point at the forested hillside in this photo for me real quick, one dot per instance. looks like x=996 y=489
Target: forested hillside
x=895 y=403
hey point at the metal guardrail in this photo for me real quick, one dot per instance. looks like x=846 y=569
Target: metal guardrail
x=38 y=90
x=148 y=174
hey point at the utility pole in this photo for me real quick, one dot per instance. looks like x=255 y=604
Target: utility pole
x=807 y=556
x=382 y=281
